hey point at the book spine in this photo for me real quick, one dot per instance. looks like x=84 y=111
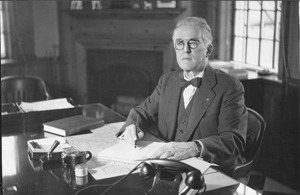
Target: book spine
x=54 y=130
x=89 y=126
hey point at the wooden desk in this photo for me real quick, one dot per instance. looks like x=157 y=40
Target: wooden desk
x=19 y=177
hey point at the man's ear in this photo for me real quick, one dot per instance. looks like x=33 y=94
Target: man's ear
x=209 y=50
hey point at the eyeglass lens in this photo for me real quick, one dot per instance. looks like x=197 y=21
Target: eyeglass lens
x=193 y=44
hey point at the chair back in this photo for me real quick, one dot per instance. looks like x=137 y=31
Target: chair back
x=17 y=88
x=255 y=132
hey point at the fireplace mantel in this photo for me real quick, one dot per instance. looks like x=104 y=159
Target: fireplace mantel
x=127 y=14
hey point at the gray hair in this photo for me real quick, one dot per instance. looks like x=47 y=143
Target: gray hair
x=201 y=23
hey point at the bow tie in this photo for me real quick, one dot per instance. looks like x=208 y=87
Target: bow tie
x=196 y=82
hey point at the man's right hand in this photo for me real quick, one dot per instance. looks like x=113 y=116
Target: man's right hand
x=131 y=134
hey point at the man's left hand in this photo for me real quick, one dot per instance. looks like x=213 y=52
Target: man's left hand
x=176 y=151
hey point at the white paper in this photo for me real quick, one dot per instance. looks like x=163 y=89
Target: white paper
x=198 y=164
x=125 y=152
x=102 y=141
x=61 y=103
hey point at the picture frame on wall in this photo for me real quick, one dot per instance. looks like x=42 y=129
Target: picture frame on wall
x=76 y=5
x=166 y=4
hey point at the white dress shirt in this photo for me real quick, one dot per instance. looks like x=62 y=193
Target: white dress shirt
x=190 y=90
x=188 y=94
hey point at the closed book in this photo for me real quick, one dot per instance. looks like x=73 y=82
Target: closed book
x=72 y=125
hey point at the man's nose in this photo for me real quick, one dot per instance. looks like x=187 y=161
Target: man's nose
x=187 y=48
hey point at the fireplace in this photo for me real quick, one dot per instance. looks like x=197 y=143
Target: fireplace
x=110 y=70
x=121 y=79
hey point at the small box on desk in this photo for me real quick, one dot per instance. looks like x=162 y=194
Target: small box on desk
x=30 y=116
x=40 y=147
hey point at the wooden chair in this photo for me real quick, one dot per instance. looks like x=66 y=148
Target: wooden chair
x=255 y=133
x=17 y=88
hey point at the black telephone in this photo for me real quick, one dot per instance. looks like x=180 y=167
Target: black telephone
x=168 y=176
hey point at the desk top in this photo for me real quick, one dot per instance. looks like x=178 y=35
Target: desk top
x=20 y=177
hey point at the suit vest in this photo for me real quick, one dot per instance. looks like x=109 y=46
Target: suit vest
x=183 y=115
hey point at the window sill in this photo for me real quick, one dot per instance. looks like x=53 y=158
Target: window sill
x=252 y=74
x=245 y=71
x=9 y=62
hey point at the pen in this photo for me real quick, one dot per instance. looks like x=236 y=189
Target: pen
x=54 y=145
x=139 y=135
x=119 y=133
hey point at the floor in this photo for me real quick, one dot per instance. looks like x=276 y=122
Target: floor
x=268 y=186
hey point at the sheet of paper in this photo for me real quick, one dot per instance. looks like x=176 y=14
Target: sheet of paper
x=103 y=141
x=61 y=103
x=125 y=152
x=198 y=164
x=98 y=140
x=103 y=169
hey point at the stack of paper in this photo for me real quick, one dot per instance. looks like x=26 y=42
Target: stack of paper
x=54 y=104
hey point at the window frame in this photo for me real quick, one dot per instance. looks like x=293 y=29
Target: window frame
x=6 y=34
x=246 y=37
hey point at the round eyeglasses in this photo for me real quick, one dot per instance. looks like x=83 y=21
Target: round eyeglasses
x=193 y=44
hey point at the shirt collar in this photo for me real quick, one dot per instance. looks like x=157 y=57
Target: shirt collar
x=200 y=75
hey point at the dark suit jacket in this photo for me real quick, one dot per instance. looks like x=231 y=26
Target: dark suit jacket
x=218 y=117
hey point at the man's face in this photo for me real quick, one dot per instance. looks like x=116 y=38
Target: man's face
x=192 y=56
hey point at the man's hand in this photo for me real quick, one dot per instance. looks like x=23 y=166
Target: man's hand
x=176 y=151
x=131 y=134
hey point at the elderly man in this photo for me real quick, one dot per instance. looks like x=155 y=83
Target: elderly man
x=200 y=111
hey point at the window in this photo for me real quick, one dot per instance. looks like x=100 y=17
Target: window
x=256 y=33
x=3 y=49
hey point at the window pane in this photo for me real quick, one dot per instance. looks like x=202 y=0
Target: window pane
x=268 y=5
x=240 y=21
x=268 y=21
x=241 y=5
x=279 y=4
x=255 y=5
x=278 y=22
x=254 y=24
x=239 y=49
x=3 y=51
x=266 y=54
x=252 y=51
x=276 y=60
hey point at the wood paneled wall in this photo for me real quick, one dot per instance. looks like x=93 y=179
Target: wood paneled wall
x=279 y=106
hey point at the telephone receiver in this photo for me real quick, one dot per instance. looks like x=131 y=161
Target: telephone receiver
x=162 y=168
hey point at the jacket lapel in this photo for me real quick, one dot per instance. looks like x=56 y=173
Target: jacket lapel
x=202 y=99
x=174 y=93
